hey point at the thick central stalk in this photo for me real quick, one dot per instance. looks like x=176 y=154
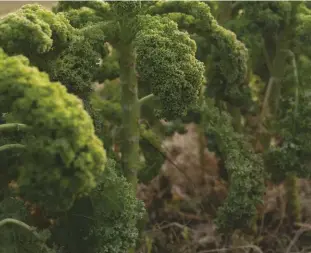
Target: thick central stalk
x=130 y=113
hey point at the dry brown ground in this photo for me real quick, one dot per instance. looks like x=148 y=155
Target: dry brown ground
x=182 y=202
x=10 y=6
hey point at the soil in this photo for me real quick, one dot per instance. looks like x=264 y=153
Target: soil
x=10 y=6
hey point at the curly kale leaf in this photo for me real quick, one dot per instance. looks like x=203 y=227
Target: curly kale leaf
x=33 y=30
x=64 y=156
x=227 y=68
x=166 y=62
x=245 y=170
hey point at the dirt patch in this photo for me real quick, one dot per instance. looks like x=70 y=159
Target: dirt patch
x=11 y=6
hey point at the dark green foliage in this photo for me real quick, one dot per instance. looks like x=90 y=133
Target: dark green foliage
x=150 y=145
x=125 y=15
x=109 y=68
x=63 y=142
x=268 y=17
x=103 y=222
x=266 y=28
x=70 y=56
x=123 y=9
x=245 y=170
x=106 y=104
x=175 y=126
x=302 y=30
x=96 y=117
x=33 y=30
x=109 y=110
x=193 y=115
x=96 y=16
x=73 y=228
x=116 y=213
x=36 y=33
x=292 y=156
x=166 y=61
x=94 y=37
x=95 y=8
x=63 y=155
x=178 y=57
x=79 y=18
x=227 y=67
x=230 y=72
x=75 y=66
x=9 y=159
x=14 y=239
x=107 y=101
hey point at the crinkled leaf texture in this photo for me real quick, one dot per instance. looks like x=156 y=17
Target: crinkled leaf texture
x=245 y=169
x=105 y=221
x=227 y=70
x=63 y=157
x=116 y=212
x=75 y=66
x=33 y=29
x=166 y=62
x=68 y=55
